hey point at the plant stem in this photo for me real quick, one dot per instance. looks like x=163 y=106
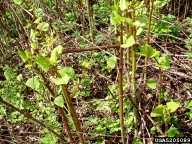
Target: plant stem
x=121 y=84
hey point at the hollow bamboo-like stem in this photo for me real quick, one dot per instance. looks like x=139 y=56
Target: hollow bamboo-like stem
x=121 y=84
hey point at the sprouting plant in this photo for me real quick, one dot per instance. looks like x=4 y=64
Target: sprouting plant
x=164 y=111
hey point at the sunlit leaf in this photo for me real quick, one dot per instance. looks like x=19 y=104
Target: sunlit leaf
x=18 y=2
x=111 y=62
x=146 y=50
x=129 y=42
x=67 y=71
x=158 y=111
x=172 y=106
x=25 y=55
x=38 y=20
x=123 y=5
x=33 y=83
x=62 y=80
x=43 y=26
x=43 y=62
x=139 y=31
x=34 y=35
x=164 y=62
x=55 y=53
x=59 y=101
x=152 y=83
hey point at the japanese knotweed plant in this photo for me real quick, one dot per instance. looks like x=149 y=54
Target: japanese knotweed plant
x=164 y=111
x=43 y=59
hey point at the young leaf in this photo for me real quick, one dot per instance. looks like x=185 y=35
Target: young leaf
x=59 y=101
x=67 y=71
x=87 y=64
x=115 y=18
x=43 y=26
x=129 y=42
x=158 y=111
x=164 y=62
x=152 y=83
x=33 y=83
x=38 y=20
x=63 y=80
x=139 y=31
x=34 y=35
x=172 y=106
x=111 y=62
x=25 y=55
x=123 y=5
x=18 y=2
x=8 y=75
x=146 y=50
x=55 y=53
x=43 y=62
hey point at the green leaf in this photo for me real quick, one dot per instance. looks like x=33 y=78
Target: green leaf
x=158 y=111
x=18 y=2
x=34 y=35
x=139 y=31
x=172 y=106
x=173 y=131
x=115 y=18
x=25 y=55
x=128 y=42
x=86 y=82
x=43 y=62
x=33 y=83
x=87 y=64
x=111 y=62
x=146 y=50
x=38 y=20
x=8 y=75
x=55 y=53
x=123 y=5
x=59 y=101
x=152 y=83
x=63 y=80
x=164 y=62
x=43 y=26
x=19 y=77
x=69 y=71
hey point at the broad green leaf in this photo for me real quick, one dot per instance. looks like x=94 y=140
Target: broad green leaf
x=55 y=53
x=86 y=82
x=38 y=20
x=152 y=83
x=172 y=106
x=43 y=26
x=39 y=12
x=164 y=62
x=63 y=80
x=43 y=62
x=129 y=21
x=34 y=35
x=139 y=31
x=111 y=62
x=128 y=42
x=19 y=77
x=67 y=71
x=59 y=101
x=146 y=50
x=123 y=5
x=33 y=83
x=8 y=75
x=34 y=45
x=18 y=2
x=155 y=53
x=87 y=64
x=158 y=111
x=115 y=18
x=173 y=131
x=25 y=55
